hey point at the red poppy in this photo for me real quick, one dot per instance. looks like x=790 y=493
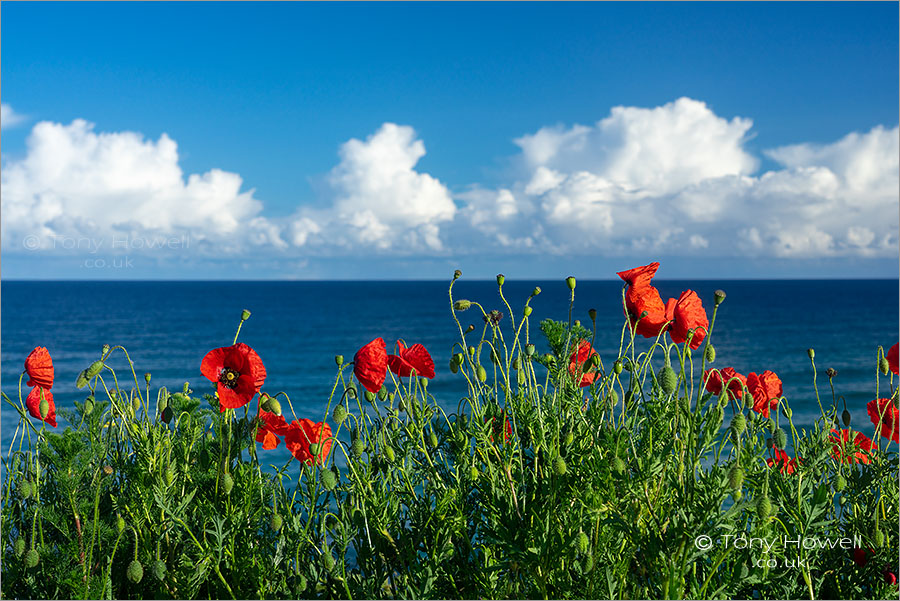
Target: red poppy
x=408 y=359
x=641 y=297
x=766 y=390
x=785 y=464
x=889 y=577
x=39 y=366
x=238 y=372
x=33 y=402
x=580 y=365
x=861 y=556
x=303 y=433
x=857 y=451
x=496 y=427
x=370 y=365
x=884 y=412
x=893 y=359
x=270 y=427
x=686 y=314
x=717 y=378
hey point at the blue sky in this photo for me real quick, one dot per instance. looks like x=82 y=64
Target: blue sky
x=298 y=140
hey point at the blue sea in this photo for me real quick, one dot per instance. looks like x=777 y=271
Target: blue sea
x=298 y=327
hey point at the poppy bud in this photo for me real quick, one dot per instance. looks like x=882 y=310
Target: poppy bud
x=482 y=374
x=389 y=453
x=770 y=442
x=787 y=412
x=736 y=477
x=135 y=571
x=583 y=543
x=739 y=423
x=104 y=349
x=25 y=489
x=358 y=447
x=245 y=315
x=433 y=440
x=89 y=405
x=559 y=466
x=459 y=358
x=44 y=408
x=95 y=368
x=576 y=323
x=831 y=372
x=185 y=388
x=613 y=396
x=329 y=480
x=879 y=538
x=811 y=353
x=884 y=366
x=339 y=360
x=454 y=366
x=529 y=350
x=274 y=406
x=370 y=396
x=158 y=569
x=587 y=564
x=275 y=522
x=500 y=279
x=845 y=417
x=549 y=358
x=32 y=559
x=120 y=524
x=340 y=414
x=570 y=282
x=227 y=483
x=516 y=364
x=457 y=274
x=536 y=291
x=166 y=415
x=668 y=379
x=470 y=328
x=81 y=381
x=462 y=305
x=314 y=448
x=719 y=296
x=764 y=508
x=494 y=358
x=710 y=354
x=592 y=313
x=19 y=547
x=840 y=483
x=617 y=465
x=473 y=473
x=136 y=404
x=170 y=475
x=780 y=438
x=617 y=367
x=526 y=311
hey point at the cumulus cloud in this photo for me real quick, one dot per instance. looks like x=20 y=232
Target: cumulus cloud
x=9 y=117
x=75 y=182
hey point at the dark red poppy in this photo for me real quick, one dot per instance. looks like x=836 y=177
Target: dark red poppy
x=305 y=432
x=238 y=372
x=889 y=577
x=39 y=366
x=370 y=365
x=642 y=297
x=270 y=427
x=727 y=376
x=884 y=412
x=859 y=450
x=33 y=402
x=407 y=360
x=893 y=359
x=786 y=465
x=861 y=556
x=580 y=367
x=766 y=389
x=497 y=428
x=687 y=314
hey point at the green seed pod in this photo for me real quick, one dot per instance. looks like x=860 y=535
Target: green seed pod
x=617 y=465
x=473 y=473
x=738 y=423
x=529 y=350
x=500 y=279
x=44 y=408
x=559 y=466
x=274 y=406
x=592 y=313
x=357 y=447
x=536 y=291
x=668 y=379
x=227 y=483
x=618 y=367
x=884 y=366
x=482 y=374
x=845 y=418
x=340 y=414
x=25 y=489
x=135 y=571
x=389 y=453
x=710 y=354
x=764 y=508
x=570 y=282
x=570 y=438
x=583 y=543
x=19 y=547
x=329 y=480
x=88 y=405
x=737 y=495
x=433 y=440
x=276 y=522
x=32 y=558
x=338 y=360
x=719 y=296
x=147 y=378
x=811 y=353
x=120 y=524
x=780 y=438
x=527 y=311
x=104 y=350
x=736 y=477
x=94 y=369
x=840 y=483
x=245 y=315
x=170 y=475
x=158 y=569
x=878 y=538
x=462 y=305
x=613 y=396
x=301 y=583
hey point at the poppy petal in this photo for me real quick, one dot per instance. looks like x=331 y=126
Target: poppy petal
x=39 y=366
x=419 y=359
x=370 y=365
x=33 y=402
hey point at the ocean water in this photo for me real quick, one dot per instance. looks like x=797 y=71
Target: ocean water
x=298 y=327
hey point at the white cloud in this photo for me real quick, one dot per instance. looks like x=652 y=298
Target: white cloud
x=76 y=182
x=9 y=117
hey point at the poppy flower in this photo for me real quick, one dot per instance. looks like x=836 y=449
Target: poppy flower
x=884 y=412
x=686 y=314
x=861 y=556
x=766 y=390
x=580 y=365
x=33 y=402
x=238 y=372
x=642 y=297
x=370 y=365
x=497 y=427
x=785 y=464
x=893 y=359
x=303 y=433
x=857 y=451
x=270 y=427
x=889 y=577
x=408 y=359
x=39 y=367
x=727 y=376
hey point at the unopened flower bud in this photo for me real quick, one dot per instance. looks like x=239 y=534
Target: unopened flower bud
x=369 y=396
x=668 y=379
x=227 y=483
x=884 y=366
x=276 y=522
x=617 y=367
x=136 y=404
x=570 y=282
x=583 y=543
x=710 y=354
x=592 y=313
x=329 y=480
x=462 y=305
x=274 y=406
x=135 y=571
x=245 y=315
x=527 y=311
x=719 y=296
x=576 y=323
x=82 y=380
x=811 y=353
x=736 y=477
x=120 y=524
x=764 y=508
x=840 y=483
x=314 y=449
x=95 y=368
x=44 y=408
x=457 y=274
x=389 y=453
x=340 y=414
x=158 y=569
x=780 y=438
x=19 y=547
x=739 y=423
x=536 y=291
x=166 y=415
x=25 y=489
x=358 y=447
x=339 y=360
x=617 y=465
x=845 y=418
x=482 y=374
x=32 y=558
x=433 y=440
x=500 y=279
